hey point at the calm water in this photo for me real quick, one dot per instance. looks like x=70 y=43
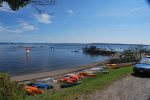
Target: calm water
x=41 y=58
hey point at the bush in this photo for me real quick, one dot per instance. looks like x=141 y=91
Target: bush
x=9 y=90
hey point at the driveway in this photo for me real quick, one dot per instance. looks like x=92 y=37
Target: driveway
x=129 y=88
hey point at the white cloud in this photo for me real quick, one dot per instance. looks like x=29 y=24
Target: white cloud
x=27 y=27
x=2 y=29
x=5 y=8
x=22 y=27
x=138 y=9
x=43 y=18
x=71 y=12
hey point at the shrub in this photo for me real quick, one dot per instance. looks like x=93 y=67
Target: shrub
x=9 y=90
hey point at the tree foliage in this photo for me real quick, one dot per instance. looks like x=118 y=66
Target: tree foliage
x=148 y=1
x=17 y=4
x=10 y=90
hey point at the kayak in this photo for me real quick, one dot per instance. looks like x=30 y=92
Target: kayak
x=68 y=80
x=100 y=70
x=69 y=85
x=42 y=86
x=74 y=76
x=32 y=90
x=48 y=80
x=105 y=72
x=113 y=66
x=86 y=74
x=97 y=68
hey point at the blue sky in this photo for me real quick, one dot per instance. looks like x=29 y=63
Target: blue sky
x=78 y=21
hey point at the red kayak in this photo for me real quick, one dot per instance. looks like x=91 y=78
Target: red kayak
x=68 y=80
x=86 y=74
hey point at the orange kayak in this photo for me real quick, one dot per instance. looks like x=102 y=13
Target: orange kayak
x=113 y=66
x=33 y=90
x=29 y=91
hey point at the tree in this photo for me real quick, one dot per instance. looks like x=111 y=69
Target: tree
x=17 y=4
x=148 y=1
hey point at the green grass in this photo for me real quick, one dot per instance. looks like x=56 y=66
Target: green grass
x=90 y=84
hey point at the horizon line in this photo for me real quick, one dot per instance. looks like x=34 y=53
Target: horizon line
x=71 y=43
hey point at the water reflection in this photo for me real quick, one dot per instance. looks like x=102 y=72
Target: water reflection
x=27 y=50
x=27 y=57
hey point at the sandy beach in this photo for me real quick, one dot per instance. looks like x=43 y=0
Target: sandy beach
x=54 y=74
x=59 y=73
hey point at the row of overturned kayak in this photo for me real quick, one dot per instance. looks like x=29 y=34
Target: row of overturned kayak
x=40 y=86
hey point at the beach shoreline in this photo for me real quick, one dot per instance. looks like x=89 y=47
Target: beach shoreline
x=55 y=73
x=61 y=72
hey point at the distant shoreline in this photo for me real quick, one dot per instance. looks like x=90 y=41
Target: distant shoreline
x=79 y=43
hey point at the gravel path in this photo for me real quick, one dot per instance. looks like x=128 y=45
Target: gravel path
x=129 y=88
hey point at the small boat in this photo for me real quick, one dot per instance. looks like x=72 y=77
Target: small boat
x=90 y=71
x=97 y=68
x=105 y=72
x=66 y=85
x=49 y=79
x=32 y=90
x=41 y=85
x=74 y=76
x=112 y=66
x=75 y=51
x=102 y=70
x=68 y=80
x=87 y=74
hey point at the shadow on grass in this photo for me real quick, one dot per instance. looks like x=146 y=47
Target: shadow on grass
x=141 y=75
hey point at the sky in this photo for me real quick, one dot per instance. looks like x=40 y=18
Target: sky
x=78 y=21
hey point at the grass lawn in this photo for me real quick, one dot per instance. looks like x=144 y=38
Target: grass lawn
x=89 y=85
